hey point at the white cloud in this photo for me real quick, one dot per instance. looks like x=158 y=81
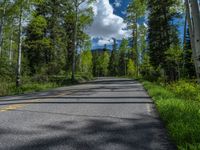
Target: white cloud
x=124 y=12
x=106 y=24
x=117 y=3
x=102 y=42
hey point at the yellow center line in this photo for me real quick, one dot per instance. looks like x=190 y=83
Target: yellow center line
x=18 y=106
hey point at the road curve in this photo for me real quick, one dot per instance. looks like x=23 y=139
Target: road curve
x=105 y=114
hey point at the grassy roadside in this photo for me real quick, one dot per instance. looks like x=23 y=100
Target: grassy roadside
x=180 y=114
x=29 y=86
x=10 y=88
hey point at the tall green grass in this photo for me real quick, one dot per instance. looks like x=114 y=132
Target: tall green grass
x=39 y=83
x=180 y=111
x=11 y=89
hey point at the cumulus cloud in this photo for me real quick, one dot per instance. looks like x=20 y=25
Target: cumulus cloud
x=117 y=3
x=106 y=24
x=102 y=42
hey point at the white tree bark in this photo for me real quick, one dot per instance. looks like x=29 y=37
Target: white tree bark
x=11 y=47
x=77 y=3
x=75 y=41
x=18 y=78
x=193 y=16
x=196 y=23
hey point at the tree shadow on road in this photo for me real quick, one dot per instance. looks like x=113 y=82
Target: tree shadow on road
x=99 y=133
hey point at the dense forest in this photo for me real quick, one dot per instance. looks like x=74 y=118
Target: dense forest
x=45 y=41
x=45 y=44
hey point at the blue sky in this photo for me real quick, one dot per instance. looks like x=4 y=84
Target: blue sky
x=122 y=8
x=109 y=22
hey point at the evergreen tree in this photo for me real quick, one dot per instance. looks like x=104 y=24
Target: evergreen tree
x=38 y=46
x=104 y=63
x=162 y=32
x=113 y=64
x=135 y=11
x=123 y=50
x=189 y=68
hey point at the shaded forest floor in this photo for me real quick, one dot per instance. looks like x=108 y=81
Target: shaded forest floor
x=179 y=107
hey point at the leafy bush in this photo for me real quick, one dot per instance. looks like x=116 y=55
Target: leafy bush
x=150 y=75
x=34 y=87
x=7 y=72
x=186 y=90
x=81 y=76
x=5 y=88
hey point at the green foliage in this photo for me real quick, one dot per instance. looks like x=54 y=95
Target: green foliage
x=37 y=26
x=186 y=90
x=136 y=9
x=33 y=87
x=86 y=63
x=113 y=64
x=181 y=116
x=9 y=88
x=123 y=50
x=174 y=62
x=147 y=71
x=174 y=54
x=6 y=70
x=101 y=63
x=131 y=68
x=104 y=63
x=162 y=35
x=189 y=68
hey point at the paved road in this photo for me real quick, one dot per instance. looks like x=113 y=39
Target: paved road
x=106 y=114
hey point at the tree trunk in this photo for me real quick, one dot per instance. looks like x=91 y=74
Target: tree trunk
x=1 y=29
x=184 y=42
x=10 y=47
x=196 y=23
x=75 y=42
x=194 y=26
x=18 y=78
x=136 y=47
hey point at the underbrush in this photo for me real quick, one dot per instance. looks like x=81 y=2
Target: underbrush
x=39 y=83
x=178 y=108
x=10 y=88
x=186 y=90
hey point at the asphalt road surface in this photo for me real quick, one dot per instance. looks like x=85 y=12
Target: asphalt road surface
x=105 y=114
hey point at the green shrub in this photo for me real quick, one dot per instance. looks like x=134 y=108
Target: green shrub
x=5 y=88
x=186 y=90
x=181 y=117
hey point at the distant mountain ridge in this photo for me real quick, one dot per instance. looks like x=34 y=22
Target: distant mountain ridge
x=101 y=50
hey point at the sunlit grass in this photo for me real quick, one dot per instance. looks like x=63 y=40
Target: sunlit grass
x=32 y=85
x=181 y=116
x=11 y=89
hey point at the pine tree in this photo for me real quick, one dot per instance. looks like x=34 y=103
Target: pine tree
x=113 y=64
x=162 y=32
x=104 y=63
x=37 y=44
x=189 y=68
x=123 y=50
x=135 y=11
